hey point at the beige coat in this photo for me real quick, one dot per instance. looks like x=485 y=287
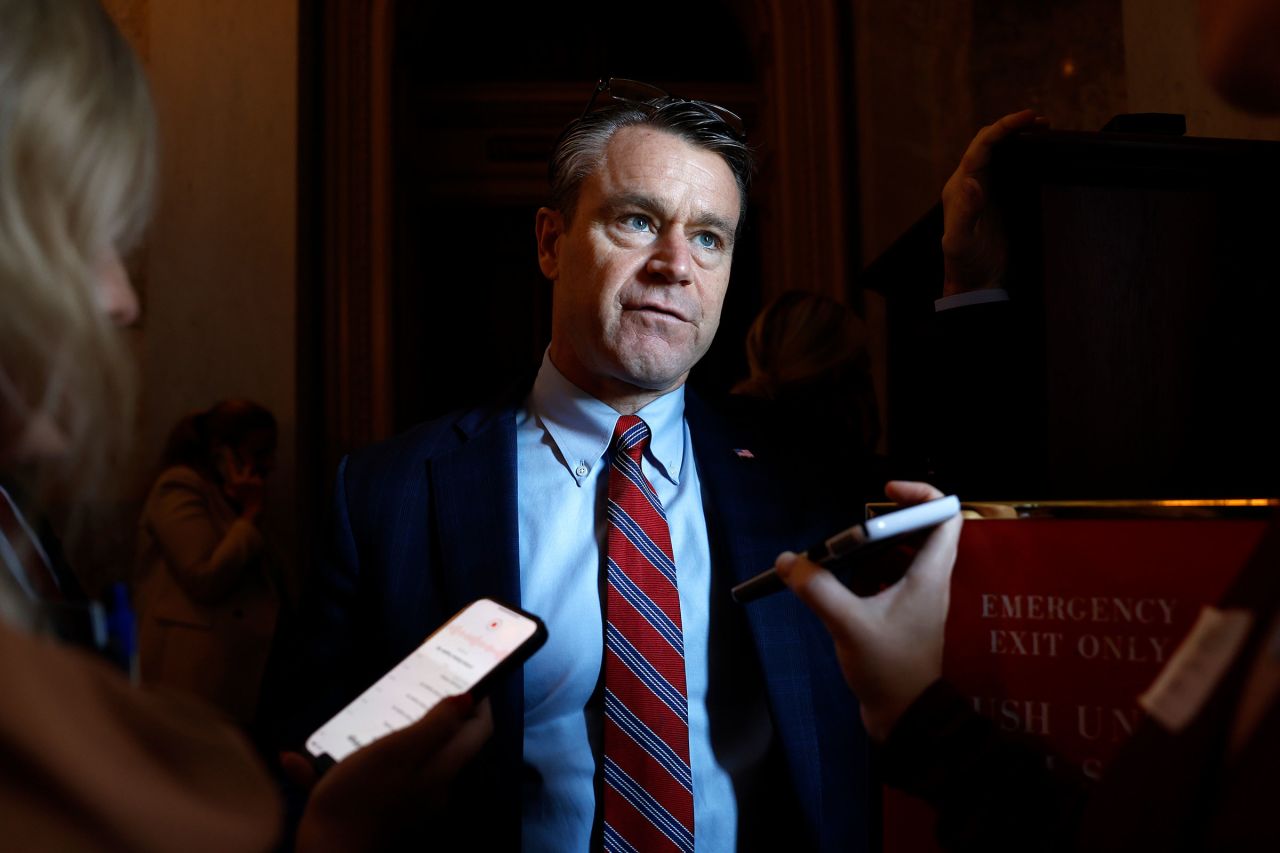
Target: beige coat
x=206 y=608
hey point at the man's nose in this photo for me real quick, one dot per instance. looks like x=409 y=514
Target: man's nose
x=672 y=260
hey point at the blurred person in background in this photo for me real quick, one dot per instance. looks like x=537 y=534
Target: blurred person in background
x=88 y=761
x=206 y=599
x=808 y=353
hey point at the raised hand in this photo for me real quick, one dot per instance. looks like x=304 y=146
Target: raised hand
x=973 y=242
x=242 y=485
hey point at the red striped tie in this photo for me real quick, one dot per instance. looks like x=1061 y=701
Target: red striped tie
x=648 y=794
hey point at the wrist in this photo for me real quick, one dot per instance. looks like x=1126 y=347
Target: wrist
x=879 y=720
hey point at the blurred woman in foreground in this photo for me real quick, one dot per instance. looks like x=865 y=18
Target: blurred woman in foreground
x=89 y=761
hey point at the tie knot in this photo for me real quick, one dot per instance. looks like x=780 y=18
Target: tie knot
x=630 y=436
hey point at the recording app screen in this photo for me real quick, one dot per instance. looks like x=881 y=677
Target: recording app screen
x=451 y=661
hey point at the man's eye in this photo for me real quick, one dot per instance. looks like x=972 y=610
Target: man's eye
x=707 y=240
x=637 y=222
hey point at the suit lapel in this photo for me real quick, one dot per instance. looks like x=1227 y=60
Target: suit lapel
x=742 y=544
x=751 y=519
x=473 y=493
x=473 y=490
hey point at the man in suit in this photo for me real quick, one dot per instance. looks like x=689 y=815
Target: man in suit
x=515 y=501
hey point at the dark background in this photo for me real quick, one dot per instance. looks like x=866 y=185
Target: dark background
x=471 y=308
x=1140 y=358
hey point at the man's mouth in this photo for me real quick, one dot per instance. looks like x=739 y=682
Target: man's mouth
x=661 y=310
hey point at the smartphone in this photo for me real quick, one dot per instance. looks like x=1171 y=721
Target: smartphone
x=479 y=643
x=850 y=549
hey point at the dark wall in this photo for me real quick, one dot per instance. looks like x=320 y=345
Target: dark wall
x=1137 y=357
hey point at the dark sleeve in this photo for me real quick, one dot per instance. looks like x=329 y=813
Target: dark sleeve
x=993 y=790
x=988 y=418
x=310 y=674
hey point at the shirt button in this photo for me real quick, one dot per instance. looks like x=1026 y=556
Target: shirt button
x=581 y=470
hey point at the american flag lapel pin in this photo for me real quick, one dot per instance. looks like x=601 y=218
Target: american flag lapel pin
x=744 y=453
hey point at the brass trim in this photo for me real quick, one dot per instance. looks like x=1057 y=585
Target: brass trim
x=1222 y=508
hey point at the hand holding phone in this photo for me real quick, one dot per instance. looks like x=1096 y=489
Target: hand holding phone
x=371 y=799
x=847 y=550
x=465 y=655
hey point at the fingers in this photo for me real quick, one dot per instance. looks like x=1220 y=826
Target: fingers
x=964 y=201
x=462 y=745
x=298 y=769
x=910 y=492
x=401 y=752
x=821 y=591
x=937 y=555
x=978 y=154
x=419 y=743
x=972 y=241
x=971 y=200
x=418 y=760
x=977 y=157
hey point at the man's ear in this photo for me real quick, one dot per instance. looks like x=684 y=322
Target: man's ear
x=549 y=227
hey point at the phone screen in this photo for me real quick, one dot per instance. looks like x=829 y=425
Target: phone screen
x=451 y=661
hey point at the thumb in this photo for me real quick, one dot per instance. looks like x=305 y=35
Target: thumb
x=910 y=492
x=418 y=743
x=298 y=770
x=969 y=205
x=838 y=608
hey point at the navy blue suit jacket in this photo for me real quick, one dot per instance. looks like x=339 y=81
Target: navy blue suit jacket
x=427 y=522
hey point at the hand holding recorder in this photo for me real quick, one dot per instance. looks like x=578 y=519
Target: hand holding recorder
x=889 y=644
x=858 y=555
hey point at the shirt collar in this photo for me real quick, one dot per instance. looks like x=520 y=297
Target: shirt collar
x=581 y=426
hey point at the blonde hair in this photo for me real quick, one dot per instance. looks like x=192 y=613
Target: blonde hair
x=800 y=337
x=77 y=164
x=805 y=349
